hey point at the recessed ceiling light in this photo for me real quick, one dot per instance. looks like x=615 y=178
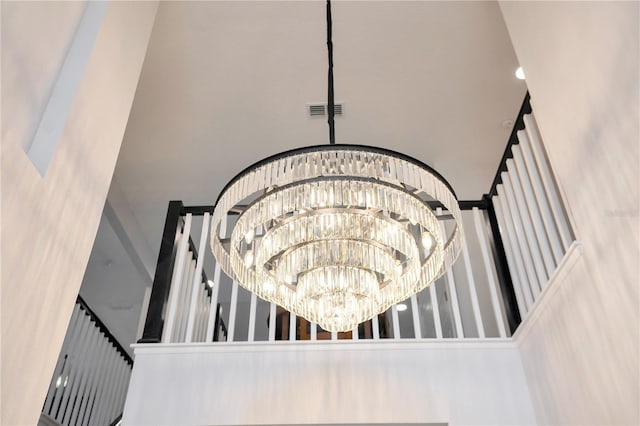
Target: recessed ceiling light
x=401 y=307
x=520 y=73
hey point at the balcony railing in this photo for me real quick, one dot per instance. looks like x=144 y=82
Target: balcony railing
x=515 y=237
x=532 y=219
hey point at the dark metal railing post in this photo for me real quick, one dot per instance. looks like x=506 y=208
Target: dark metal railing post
x=162 y=281
x=502 y=268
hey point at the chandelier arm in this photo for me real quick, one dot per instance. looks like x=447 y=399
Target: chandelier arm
x=330 y=100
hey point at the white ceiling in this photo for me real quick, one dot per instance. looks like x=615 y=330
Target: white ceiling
x=112 y=285
x=225 y=84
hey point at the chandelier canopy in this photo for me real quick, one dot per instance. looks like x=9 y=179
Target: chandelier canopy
x=336 y=233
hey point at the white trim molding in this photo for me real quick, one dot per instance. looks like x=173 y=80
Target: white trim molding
x=323 y=345
x=573 y=254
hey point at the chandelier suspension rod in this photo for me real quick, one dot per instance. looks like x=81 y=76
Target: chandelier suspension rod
x=330 y=101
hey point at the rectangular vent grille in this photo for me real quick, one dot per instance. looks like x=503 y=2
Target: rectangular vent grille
x=320 y=110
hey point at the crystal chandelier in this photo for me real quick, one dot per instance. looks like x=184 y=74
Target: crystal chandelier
x=336 y=233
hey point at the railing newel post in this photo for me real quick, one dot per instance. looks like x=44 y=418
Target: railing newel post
x=154 y=322
x=502 y=269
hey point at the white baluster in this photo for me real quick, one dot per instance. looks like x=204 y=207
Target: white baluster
x=272 y=322
x=213 y=308
x=174 y=293
x=416 y=317
x=452 y=289
x=122 y=389
x=83 y=381
x=103 y=416
x=114 y=408
x=233 y=308
x=541 y=197
x=515 y=230
x=314 y=331
x=252 y=318
x=202 y=312
x=529 y=237
x=77 y=375
x=107 y=416
x=396 y=322
x=493 y=291
x=183 y=304
x=534 y=211
x=213 y=311
x=197 y=279
x=54 y=400
x=175 y=338
x=143 y=311
x=95 y=414
x=100 y=416
x=197 y=312
x=514 y=266
x=68 y=338
x=472 y=291
x=547 y=180
x=215 y=289
x=525 y=218
x=292 y=327
x=375 y=328
x=205 y=313
x=94 y=404
x=435 y=309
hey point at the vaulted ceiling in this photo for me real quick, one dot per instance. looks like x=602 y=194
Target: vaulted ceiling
x=225 y=84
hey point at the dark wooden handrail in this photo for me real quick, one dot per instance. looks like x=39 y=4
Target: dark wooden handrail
x=513 y=140
x=104 y=330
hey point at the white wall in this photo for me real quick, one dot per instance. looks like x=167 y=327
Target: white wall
x=35 y=40
x=49 y=223
x=458 y=383
x=581 y=355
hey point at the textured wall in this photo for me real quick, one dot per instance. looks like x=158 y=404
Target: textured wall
x=49 y=223
x=35 y=39
x=581 y=60
x=457 y=383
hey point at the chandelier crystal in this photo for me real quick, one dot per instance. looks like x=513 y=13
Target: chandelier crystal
x=337 y=233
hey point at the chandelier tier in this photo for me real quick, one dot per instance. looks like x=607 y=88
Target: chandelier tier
x=336 y=233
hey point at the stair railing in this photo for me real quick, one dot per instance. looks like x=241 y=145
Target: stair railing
x=91 y=376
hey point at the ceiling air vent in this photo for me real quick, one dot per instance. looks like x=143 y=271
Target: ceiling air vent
x=320 y=109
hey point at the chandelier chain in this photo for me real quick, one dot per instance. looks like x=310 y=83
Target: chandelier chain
x=330 y=100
